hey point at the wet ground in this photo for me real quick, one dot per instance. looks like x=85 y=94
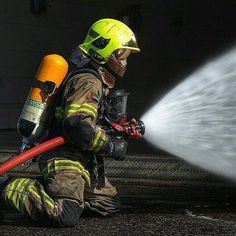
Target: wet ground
x=159 y=220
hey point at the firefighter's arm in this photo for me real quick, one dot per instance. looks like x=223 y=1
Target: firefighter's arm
x=80 y=119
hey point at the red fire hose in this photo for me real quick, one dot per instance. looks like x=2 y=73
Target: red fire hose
x=29 y=154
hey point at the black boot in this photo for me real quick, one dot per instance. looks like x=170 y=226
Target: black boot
x=4 y=180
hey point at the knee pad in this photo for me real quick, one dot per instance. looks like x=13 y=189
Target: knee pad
x=69 y=217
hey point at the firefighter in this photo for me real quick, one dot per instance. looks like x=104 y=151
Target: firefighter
x=70 y=185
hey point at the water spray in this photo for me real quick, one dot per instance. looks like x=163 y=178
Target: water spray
x=196 y=120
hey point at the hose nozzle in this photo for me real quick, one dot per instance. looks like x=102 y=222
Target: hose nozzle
x=140 y=127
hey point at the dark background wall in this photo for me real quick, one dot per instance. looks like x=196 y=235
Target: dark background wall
x=175 y=37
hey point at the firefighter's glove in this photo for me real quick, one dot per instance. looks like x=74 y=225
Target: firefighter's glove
x=134 y=134
x=117 y=148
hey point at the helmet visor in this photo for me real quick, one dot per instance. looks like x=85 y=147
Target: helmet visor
x=132 y=44
x=122 y=53
x=118 y=61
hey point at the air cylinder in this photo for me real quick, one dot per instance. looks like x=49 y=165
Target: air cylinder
x=36 y=111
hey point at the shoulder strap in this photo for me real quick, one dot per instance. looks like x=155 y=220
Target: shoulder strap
x=59 y=102
x=60 y=97
x=79 y=71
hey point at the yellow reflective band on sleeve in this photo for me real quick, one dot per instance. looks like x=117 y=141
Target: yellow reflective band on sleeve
x=65 y=165
x=90 y=107
x=99 y=141
x=73 y=108
x=86 y=108
x=74 y=105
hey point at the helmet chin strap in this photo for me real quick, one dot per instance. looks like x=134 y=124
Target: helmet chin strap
x=95 y=56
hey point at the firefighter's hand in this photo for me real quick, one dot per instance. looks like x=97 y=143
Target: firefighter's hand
x=117 y=148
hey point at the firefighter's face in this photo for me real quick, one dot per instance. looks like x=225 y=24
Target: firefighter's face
x=118 y=61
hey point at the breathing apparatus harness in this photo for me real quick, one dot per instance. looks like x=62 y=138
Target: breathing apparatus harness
x=112 y=117
x=46 y=93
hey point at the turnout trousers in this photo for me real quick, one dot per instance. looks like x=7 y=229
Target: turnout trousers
x=62 y=194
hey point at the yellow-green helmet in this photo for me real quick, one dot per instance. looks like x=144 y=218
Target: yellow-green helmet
x=105 y=36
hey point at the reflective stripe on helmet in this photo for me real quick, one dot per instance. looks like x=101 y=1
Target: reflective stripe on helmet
x=93 y=34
